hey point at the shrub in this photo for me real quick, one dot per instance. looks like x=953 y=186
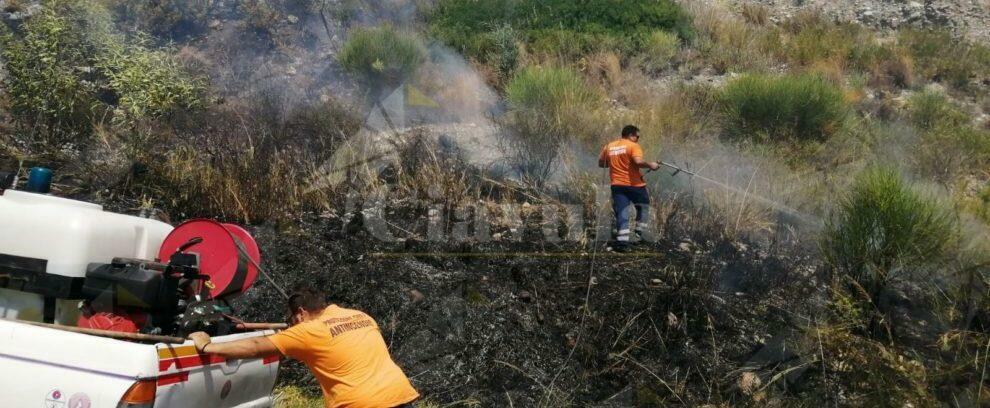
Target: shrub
x=929 y=109
x=214 y=171
x=766 y=107
x=659 y=50
x=69 y=69
x=43 y=84
x=887 y=66
x=728 y=43
x=381 y=55
x=882 y=226
x=550 y=92
x=823 y=41
x=504 y=54
x=545 y=106
x=948 y=144
x=945 y=58
x=561 y=27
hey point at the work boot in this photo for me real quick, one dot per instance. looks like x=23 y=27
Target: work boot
x=621 y=247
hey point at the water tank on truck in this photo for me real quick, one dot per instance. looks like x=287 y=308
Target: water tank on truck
x=46 y=244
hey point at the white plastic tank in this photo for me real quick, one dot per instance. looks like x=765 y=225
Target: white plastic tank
x=43 y=234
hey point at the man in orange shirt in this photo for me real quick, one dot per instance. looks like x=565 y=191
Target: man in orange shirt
x=623 y=157
x=343 y=348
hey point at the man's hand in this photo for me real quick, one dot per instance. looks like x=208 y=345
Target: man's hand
x=245 y=348
x=200 y=339
x=654 y=166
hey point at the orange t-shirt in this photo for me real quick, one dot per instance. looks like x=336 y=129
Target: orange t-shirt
x=346 y=352
x=618 y=155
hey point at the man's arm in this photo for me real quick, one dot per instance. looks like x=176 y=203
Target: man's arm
x=255 y=347
x=645 y=164
x=601 y=160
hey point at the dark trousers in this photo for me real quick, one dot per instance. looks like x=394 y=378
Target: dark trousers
x=623 y=200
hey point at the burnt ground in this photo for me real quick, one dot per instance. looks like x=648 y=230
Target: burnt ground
x=530 y=323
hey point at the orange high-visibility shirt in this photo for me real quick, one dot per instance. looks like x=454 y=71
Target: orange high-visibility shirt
x=622 y=168
x=346 y=352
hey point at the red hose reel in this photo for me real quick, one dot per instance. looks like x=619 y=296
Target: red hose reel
x=227 y=253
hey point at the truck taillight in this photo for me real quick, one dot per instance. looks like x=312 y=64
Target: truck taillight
x=140 y=395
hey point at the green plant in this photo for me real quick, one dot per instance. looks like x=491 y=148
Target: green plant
x=44 y=86
x=777 y=108
x=982 y=204
x=504 y=54
x=296 y=397
x=557 y=27
x=381 y=55
x=888 y=66
x=69 y=70
x=882 y=227
x=930 y=109
x=943 y=57
x=659 y=50
x=550 y=92
x=545 y=105
x=948 y=142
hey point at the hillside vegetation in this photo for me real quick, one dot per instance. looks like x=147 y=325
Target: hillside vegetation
x=846 y=263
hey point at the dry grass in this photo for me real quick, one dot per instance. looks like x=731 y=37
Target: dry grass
x=729 y=44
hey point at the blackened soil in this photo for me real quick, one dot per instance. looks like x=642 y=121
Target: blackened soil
x=549 y=324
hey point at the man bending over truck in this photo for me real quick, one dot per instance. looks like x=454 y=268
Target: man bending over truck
x=343 y=348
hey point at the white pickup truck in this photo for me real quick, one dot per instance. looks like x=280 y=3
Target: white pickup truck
x=51 y=368
x=55 y=254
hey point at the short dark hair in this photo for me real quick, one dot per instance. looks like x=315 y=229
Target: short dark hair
x=307 y=298
x=630 y=130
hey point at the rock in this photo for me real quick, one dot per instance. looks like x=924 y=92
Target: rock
x=415 y=295
x=215 y=24
x=292 y=19
x=672 y=321
x=525 y=296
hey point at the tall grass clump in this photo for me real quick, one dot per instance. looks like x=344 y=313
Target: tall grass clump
x=564 y=28
x=943 y=57
x=882 y=228
x=659 y=50
x=948 y=142
x=783 y=108
x=930 y=109
x=382 y=55
x=546 y=108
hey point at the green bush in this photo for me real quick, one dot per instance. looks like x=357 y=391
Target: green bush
x=948 y=143
x=69 y=70
x=882 y=226
x=945 y=58
x=550 y=92
x=929 y=109
x=43 y=82
x=567 y=28
x=382 y=55
x=775 y=108
x=659 y=50
x=546 y=107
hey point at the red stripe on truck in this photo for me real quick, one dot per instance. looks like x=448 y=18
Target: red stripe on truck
x=170 y=379
x=271 y=359
x=189 y=362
